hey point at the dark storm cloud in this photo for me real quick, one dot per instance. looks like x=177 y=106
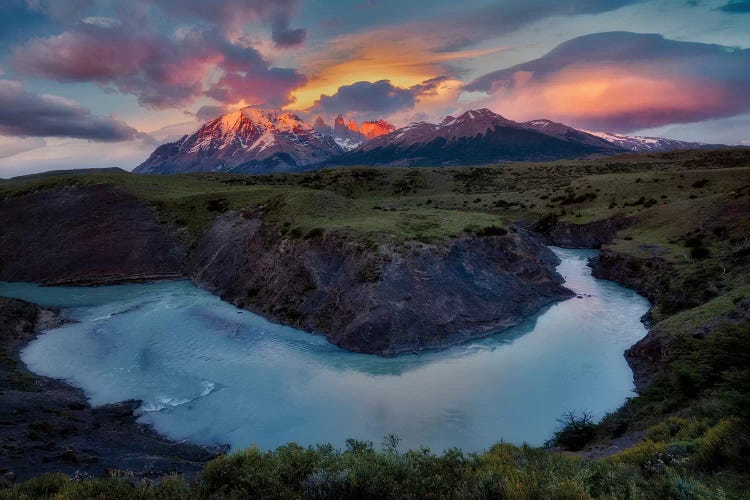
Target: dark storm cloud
x=381 y=97
x=736 y=7
x=26 y=114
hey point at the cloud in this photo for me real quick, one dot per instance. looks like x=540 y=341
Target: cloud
x=60 y=10
x=10 y=146
x=414 y=51
x=379 y=97
x=364 y=100
x=623 y=81
x=161 y=71
x=501 y=18
x=736 y=7
x=62 y=154
x=209 y=112
x=231 y=15
x=25 y=114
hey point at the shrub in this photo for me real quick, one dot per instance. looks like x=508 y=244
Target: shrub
x=575 y=431
x=724 y=444
x=677 y=429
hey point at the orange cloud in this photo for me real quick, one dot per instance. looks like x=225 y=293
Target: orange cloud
x=405 y=57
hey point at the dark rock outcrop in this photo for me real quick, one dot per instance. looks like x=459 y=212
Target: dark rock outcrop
x=48 y=426
x=589 y=235
x=650 y=354
x=85 y=234
x=379 y=298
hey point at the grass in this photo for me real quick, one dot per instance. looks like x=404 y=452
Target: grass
x=689 y=247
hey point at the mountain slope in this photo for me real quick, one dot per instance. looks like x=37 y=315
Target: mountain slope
x=249 y=140
x=641 y=144
x=475 y=137
x=567 y=133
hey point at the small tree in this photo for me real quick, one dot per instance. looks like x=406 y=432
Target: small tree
x=575 y=431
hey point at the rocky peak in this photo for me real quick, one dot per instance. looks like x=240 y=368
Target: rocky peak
x=376 y=128
x=321 y=126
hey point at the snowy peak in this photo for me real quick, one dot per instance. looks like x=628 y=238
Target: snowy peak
x=250 y=139
x=643 y=144
x=249 y=128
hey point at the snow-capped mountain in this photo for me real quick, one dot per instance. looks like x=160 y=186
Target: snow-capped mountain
x=643 y=144
x=251 y=140
x=348 y=135
x=475 y=137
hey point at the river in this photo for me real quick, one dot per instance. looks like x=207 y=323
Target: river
x=211 y=373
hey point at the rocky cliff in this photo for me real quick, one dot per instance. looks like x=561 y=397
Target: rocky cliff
x=589 y=235
x=84 y=234
x=369 y=298
x=378 y=298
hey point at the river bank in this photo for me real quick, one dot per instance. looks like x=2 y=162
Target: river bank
x=48 y=426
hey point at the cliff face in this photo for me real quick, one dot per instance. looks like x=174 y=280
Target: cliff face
x=368 y=298
x=379 y=299
x=590 y=235
x=86 y=234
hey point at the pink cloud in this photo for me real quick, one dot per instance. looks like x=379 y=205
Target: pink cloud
x=622 y=81
x=161 y=71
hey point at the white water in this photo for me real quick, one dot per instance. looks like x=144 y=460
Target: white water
x=211 y=373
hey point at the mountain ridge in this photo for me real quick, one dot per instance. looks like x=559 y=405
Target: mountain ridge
x=257 y=141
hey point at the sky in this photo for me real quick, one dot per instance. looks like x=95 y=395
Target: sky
x=101 y=83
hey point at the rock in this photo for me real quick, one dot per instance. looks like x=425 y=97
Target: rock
x=589 y=235
x=383 y=299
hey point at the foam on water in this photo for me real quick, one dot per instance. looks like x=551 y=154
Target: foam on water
x=211 y=373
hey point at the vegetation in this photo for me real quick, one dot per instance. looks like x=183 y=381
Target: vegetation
x=687 y=248
x=653 y=469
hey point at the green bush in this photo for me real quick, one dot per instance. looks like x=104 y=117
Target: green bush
x=725 y=444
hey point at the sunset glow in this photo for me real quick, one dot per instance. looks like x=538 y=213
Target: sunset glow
x=147 y=72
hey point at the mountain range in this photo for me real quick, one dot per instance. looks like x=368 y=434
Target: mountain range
x=253 y=140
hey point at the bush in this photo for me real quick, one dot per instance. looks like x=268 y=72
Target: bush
x=575 y=431
x=677 y=429
x=723 y=445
